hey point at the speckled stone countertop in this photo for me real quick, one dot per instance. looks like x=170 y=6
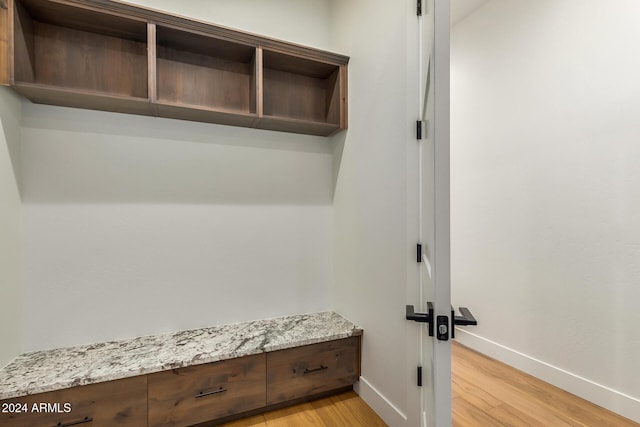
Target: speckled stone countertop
x=57 y=369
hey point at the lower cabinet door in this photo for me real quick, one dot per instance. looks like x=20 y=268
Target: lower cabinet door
x=196 y=394
x=311 y=369
x=121 y=403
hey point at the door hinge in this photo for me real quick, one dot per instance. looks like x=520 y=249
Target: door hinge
x=419 y=252
x=419 y=8
x=419 y=376
x=419 y=129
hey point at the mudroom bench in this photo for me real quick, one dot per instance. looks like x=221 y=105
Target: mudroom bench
x=198 y=377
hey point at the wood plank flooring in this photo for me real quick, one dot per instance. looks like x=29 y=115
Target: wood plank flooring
x=486 y=393
x=346 y=409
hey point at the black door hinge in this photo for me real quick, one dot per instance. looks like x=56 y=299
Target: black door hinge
x=419 y=129
x=419 y=252
x=419 y=376
x=419 y=8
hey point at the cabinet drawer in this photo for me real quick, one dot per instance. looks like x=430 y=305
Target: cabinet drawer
x=192 y=395
x=315 y=368
x=121 y=403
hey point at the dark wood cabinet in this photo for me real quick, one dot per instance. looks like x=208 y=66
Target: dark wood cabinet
x=111 y=56
x=121 y=403
x=203 y=394
x=311 y=369
x=187 y=396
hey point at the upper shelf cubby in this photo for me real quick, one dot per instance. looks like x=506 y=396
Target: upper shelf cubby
x=193 y=69
x=299 y=89
x=107 y=55
x=58 y=46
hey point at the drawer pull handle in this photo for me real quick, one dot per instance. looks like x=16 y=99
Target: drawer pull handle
x=321 y=368
x=85 y=420
x=209 y=393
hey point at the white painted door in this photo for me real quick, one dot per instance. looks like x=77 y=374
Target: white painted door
x=434 y=222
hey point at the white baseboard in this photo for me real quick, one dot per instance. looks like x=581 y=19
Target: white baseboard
x=601 y=395
x=389 y=413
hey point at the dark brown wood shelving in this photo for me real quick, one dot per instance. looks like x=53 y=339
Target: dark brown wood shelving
x=106 y=55
x=198 y=70
x=300 y=89
x=77 y=57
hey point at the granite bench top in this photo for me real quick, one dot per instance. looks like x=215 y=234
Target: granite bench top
x=49 y=370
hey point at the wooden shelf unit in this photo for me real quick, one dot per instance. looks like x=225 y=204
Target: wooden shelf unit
x=106 y=55
x=300 y=89
x=193 y=69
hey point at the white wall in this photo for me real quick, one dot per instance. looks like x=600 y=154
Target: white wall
x=10 y=228
x=545 y=178
x=305 y=22
x=371 y=248
x=138 y=225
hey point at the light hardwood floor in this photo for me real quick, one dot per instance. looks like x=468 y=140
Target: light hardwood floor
x=346 y=409
x=486 y=393
x=489 y=393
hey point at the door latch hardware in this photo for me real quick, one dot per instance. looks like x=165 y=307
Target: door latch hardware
x=466 y=319
x=443 y=328
x=421 y=317
x=440 y=324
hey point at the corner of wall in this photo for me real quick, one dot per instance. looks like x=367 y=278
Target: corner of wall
x=11 y=120
x=370 y=197
x=11 y=300
x=382 y=406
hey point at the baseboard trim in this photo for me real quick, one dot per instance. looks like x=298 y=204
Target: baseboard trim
x=613 y=400
x=390 y=413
